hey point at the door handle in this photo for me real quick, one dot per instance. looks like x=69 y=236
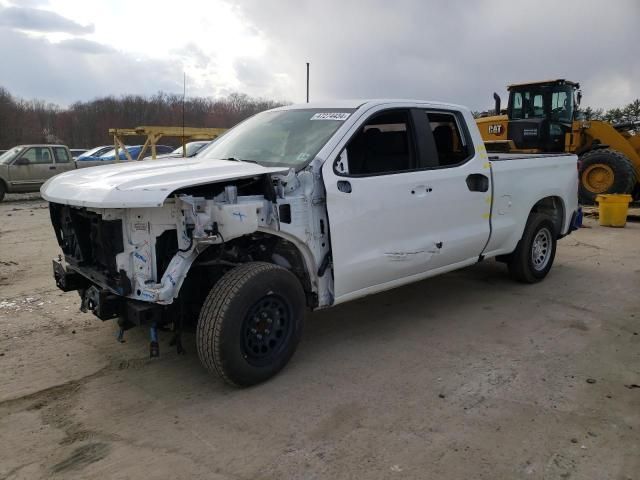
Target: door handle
x=421 y=190
x=344 y=186
x=52 y=167
x=477 y=182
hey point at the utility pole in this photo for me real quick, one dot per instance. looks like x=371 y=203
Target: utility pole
x=307 y=82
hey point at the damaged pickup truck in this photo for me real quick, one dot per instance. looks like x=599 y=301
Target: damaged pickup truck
x=301 y=207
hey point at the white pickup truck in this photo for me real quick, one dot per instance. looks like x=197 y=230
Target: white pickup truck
x=304 y=206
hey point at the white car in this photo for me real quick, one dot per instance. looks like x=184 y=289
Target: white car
x=192 y=149
x=304 y=206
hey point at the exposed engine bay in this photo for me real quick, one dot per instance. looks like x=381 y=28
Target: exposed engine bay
x=178 y=250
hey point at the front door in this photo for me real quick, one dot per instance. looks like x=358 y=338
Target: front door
x=395 y=212
x=31 y=169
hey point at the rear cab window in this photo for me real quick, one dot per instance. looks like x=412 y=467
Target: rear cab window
x=61 y=154
x=452 y=146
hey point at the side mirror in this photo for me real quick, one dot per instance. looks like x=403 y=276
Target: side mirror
x=22 y=161
x=579 y=97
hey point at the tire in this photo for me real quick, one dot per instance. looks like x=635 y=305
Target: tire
x=533 y=257
x=251 y=323
x=3 y=190
x=604 y=171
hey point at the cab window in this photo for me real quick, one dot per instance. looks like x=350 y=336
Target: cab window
x=61 y=154
x=562 y=106
x=383 y=145
x=450 y=143
x=37 y=155
x=527 y=105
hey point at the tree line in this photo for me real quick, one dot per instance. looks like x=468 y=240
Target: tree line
x=626 y=114
x=87 y=124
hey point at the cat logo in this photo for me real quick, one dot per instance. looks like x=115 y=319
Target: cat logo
x=495 y=129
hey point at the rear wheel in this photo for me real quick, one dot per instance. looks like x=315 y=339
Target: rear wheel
x=534 y=255
x=3 y=190
x=604 y=171
x=251 y=323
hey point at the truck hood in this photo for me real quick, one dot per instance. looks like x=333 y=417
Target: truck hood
x=143 y=184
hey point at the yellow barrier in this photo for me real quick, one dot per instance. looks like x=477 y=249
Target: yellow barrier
x=613 y=209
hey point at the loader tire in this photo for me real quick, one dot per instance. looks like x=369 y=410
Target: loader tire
x=604 y=171
x=533 y=257
x=251 y=323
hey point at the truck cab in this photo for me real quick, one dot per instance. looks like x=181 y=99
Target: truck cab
x=539 y=115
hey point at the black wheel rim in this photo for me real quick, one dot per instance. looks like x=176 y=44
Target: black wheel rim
x=266 y=330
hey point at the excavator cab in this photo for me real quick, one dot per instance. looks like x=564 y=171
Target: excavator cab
x=541 y=113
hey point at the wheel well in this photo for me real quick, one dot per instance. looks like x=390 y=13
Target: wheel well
x=216 y=260
x=554 y=208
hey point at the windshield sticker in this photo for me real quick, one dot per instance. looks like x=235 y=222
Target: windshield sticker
x=302 y=157
x=341 y=116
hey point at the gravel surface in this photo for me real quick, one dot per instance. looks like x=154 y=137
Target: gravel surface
x=463 y=376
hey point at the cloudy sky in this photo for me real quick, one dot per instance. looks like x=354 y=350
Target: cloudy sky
x=458 y=51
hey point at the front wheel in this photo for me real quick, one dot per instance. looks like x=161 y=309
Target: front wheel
x=251 y=323
x=534 y=255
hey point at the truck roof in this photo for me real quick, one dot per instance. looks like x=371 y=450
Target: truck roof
x=556 y=81
x=40 y=145
x=358 y=103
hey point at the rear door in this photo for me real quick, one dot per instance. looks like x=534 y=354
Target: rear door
x=459 y=203
x=32 y=168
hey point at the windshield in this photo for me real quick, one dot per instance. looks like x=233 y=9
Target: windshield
x=109 y=153
x=195 y=147
x=9 y=155
x=285 y=138
x=91 y=152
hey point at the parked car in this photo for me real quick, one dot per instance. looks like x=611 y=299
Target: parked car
x=134 y=151
x=76 y=152
x=192 y=149
x=302 y=207
x=94 y=153
x=25 y=168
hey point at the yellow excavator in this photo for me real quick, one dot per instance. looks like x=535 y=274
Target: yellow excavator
x=545 y=117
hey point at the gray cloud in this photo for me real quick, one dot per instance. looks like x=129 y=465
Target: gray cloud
x=29 y=3
x=34 y=19
x=454 y=51
x=69 y=71
x=191 y=51
x=255 y=75
x=83 y=45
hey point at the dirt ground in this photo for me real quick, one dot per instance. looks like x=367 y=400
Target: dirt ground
x=464 y=376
